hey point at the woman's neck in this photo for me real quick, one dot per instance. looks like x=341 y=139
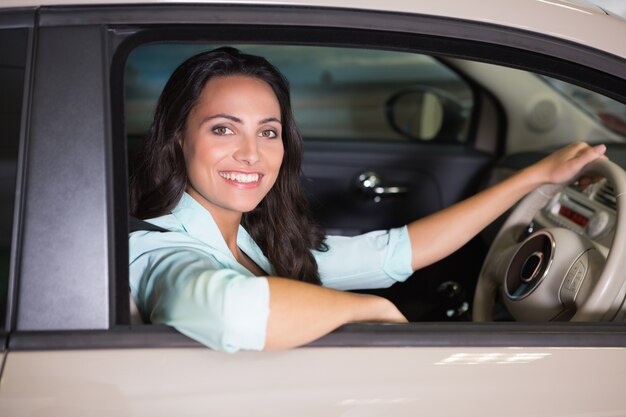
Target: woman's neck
x=228 y=223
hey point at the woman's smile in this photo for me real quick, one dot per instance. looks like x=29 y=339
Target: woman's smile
x=252 y=179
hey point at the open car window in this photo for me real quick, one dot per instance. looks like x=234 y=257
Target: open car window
x=390 y=111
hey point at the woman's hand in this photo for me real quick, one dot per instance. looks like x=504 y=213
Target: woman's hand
x=378 y=309
x=433 y=237
x=563 y=165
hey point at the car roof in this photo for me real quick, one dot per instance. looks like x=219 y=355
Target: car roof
x=574 y=20
x=366 y=4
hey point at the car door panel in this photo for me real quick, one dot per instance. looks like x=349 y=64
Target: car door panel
x=319 y=382
x=433 y=176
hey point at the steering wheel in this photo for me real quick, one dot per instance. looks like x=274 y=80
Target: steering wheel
x=556 y=273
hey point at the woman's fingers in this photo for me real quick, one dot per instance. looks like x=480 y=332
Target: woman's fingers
x=584 y=182
x=565 y=164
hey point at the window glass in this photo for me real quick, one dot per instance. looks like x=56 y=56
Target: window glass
x=337 y=93
x=609 y=112
x=12 y=65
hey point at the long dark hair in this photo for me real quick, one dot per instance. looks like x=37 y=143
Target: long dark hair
x=281 y=224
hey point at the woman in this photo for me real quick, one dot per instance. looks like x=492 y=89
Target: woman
x=242 y=263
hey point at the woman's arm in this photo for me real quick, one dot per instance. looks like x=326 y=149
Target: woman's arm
x=301 y=312
x=181 y=286
x=440 y=234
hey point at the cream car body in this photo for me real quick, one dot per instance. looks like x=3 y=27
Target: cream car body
x=417 y=369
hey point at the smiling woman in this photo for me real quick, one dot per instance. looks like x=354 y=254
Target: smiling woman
x=233 y=151
x=221 y=83
x=219 y=171
x=225 y=153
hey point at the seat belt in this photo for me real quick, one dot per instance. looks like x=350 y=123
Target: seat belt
x=136 y=224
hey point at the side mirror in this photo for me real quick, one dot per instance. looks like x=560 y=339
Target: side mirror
x=426 y=114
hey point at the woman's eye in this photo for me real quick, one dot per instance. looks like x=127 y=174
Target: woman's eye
x=222 y=130
x=269 y=133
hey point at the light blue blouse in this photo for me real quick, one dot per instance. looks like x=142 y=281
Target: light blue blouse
x=188 y=278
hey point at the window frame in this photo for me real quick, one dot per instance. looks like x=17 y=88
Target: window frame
x=23 y=19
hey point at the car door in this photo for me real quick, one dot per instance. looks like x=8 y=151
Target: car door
x=71 y=347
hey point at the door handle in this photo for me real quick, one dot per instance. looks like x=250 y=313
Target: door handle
x=372 y=184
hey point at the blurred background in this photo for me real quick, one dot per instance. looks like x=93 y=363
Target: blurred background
x=614 y=6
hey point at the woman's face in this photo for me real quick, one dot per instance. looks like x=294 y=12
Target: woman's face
x=232 y=144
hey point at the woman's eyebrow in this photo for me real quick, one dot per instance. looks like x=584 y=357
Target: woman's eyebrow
x=237 y=119
x=222 y=116
x=269 y=120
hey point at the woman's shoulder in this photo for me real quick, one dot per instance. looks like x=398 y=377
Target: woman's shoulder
x=158 y=233
x=167 y=235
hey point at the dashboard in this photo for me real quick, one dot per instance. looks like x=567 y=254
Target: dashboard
x=589 y=211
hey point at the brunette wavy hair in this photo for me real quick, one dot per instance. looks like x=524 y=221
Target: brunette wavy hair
x=281 y=224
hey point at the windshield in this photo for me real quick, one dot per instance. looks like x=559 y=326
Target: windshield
x=609 y=112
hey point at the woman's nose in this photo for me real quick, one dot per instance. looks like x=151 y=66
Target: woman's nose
x=248 y=151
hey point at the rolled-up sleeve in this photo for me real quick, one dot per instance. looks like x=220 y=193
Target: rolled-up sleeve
x=220 y=308
x=372 y=260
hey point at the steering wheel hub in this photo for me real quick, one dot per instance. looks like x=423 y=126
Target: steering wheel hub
x=529 y=265
x=537 y=282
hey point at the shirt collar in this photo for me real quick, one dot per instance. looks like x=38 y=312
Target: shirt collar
x=198 y=223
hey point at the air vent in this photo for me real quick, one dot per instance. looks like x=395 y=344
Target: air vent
x=606 y=195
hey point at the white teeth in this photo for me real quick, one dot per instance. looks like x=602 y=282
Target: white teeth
x=243 y=178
